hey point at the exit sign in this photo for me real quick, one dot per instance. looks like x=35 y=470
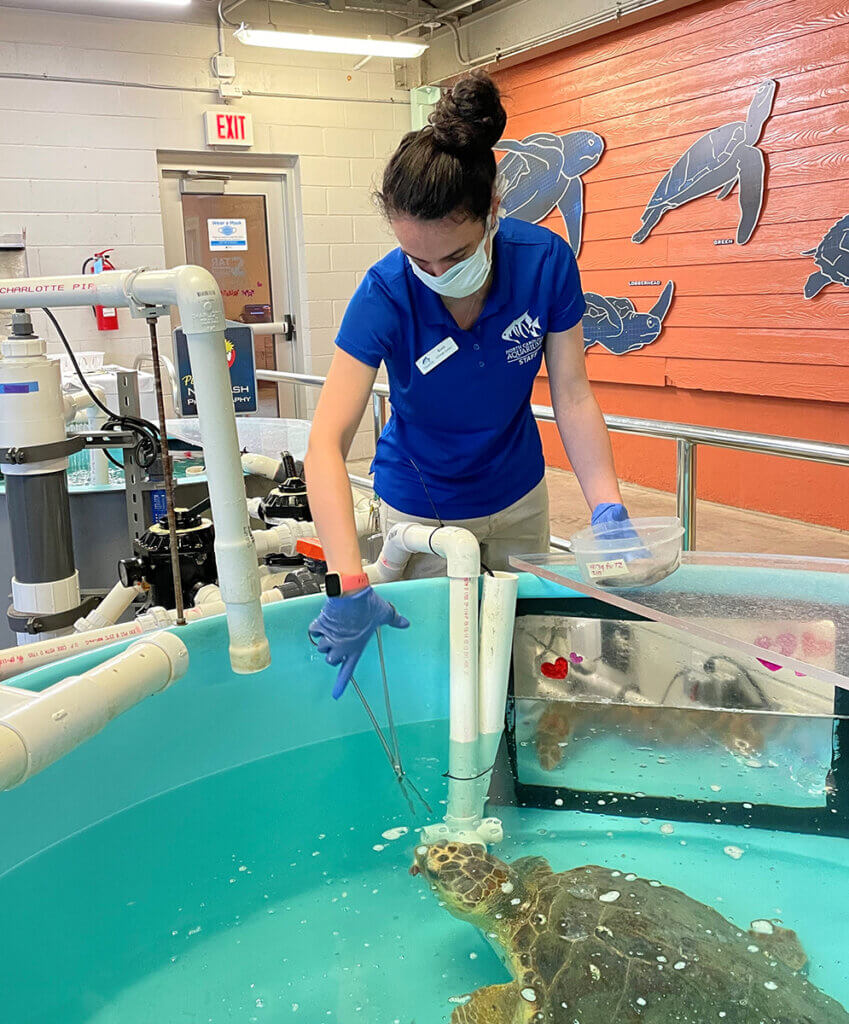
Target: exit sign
x=225 y=129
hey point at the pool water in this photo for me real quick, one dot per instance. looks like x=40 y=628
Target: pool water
x=268 y=893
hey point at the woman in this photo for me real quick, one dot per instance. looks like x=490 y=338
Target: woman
x=461 y=314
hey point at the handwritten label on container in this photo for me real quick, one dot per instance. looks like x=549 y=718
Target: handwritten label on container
x=611 y=567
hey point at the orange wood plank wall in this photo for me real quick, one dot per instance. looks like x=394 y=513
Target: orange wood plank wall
x=741 y=346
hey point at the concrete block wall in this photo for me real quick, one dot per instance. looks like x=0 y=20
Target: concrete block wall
x=78 y=156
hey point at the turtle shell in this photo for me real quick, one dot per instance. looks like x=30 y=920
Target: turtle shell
x=705 y=155
x=832 y=254
x=593 y=945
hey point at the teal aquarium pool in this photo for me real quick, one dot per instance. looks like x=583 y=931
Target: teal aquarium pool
x=237 y=850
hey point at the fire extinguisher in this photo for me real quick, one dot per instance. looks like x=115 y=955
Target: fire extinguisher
x=106 y=316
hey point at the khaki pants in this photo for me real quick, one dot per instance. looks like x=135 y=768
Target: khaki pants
x=520 y=529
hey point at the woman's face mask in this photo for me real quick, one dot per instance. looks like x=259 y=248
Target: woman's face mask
x=467 y=276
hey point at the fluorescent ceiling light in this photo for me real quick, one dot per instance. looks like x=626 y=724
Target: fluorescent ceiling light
x=153 y=3
x=373 y=46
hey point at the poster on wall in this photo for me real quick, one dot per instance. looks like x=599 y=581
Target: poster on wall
x=543 y=171
x=227 y=233
x=615 y=324
x=241 y=361
x=832 y=258
x=720 y=160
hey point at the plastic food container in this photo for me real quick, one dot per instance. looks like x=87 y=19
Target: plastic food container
x=607 y=559
x=90 y=362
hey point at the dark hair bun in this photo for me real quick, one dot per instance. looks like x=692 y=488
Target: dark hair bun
x=469 y=117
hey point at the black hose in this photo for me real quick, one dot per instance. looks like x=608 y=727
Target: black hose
x=147 y=432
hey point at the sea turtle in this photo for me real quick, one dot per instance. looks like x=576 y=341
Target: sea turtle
x=598 y=947
x=718 y=160
x=832 y=257
x=615 y=324
x=544 y=171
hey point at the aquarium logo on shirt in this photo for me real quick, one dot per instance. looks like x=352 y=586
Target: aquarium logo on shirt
x=527 y=332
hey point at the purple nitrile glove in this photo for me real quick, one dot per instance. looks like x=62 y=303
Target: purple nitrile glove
x=345 y=626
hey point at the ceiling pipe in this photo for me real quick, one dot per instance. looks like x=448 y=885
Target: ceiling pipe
x=610 y=14
x=439 y=18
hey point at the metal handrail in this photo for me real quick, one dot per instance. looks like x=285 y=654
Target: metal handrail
x=688 y=436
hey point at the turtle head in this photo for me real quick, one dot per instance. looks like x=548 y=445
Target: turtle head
x=472 y=883
x=581 y=151
x=759 y=110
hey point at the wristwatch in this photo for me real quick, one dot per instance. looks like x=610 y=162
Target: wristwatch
x=338 y=584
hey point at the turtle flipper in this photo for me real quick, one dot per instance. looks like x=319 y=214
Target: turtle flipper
x=727 y=189
x=752 y=168
x=571 y=207
x=815 y=284
x=531 y=869
x=650 y=219
x=495 y=1004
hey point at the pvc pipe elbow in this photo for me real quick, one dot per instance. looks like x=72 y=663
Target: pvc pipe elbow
x=264 y=466
x=171 y=646
x=459 y=548
x=192 y=289
x=208 y=594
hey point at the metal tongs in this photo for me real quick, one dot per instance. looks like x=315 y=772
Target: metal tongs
x=393 y=753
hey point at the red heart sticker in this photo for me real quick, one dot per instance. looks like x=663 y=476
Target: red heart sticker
x=558 y=670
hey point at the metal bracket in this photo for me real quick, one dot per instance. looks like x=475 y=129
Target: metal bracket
x=288 y=322
x=134 y=475
x=401 y=71
x=42 y=452
x=138 y=310
x=37 y=622
x=109 y=439
x=72 y=444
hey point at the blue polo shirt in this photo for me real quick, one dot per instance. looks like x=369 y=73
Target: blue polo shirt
x=461 y=419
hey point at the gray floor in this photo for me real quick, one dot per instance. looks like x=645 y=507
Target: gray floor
x=719 y=527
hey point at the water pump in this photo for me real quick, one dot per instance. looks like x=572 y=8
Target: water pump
x=151 y=565
x=289 y=500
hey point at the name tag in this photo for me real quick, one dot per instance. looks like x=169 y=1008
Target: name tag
x=438 y=354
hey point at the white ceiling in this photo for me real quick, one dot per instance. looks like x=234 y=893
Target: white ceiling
x=198 y=10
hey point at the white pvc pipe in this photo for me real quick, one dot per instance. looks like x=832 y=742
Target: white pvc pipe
x=283 y=538
x=461 y=552
x=261 y=465
x=196 y=294
x=497 y=618
x=458 y=547
x=16 y=660
x=110 y=609
x=49 y=724
x=275 y=327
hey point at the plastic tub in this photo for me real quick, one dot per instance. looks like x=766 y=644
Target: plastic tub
x=607 y=559
x=90 y=362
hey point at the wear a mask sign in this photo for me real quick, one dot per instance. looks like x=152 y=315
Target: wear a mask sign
x=242 y=364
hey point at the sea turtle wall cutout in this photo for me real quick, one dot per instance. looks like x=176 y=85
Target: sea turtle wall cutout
x=832 y=258
x=720 y=159
x=615 y=324
x=543 y=171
